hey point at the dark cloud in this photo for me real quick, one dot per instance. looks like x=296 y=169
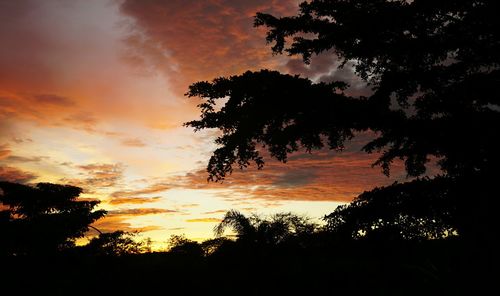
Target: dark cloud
x=319 y=65
x=17 y=158
x=12 y=174
x=326 y=67
x=291 y=178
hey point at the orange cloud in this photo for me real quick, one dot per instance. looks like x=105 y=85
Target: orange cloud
x=52 y=99
x=53 y=78
x=134 y=142
x=140 y=212
x=215 y=212
x=35 y=107
x=12 y=174
x=204 y=220
x=323 y=175
x=133 y=200
x=153 y=188
x=16 y=158
x=192 y=40
x=193 y=205
x=97 y=175
x=4 y=151
x=113 y=223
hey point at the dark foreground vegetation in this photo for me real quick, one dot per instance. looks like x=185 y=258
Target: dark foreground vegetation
x=402 y=268
x=283 y=254
x=432 y=70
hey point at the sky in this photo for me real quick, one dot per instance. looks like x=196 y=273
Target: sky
x=92 y=95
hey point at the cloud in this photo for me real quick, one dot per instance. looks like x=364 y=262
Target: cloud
x=319 y=65
x=82 y=119
x=325 y=67
x=192 y=205
x=97 y=175
x=140 y=212
x=204 y=220
x=133 y=200
x=293 y=178
x=4 y=151
x=215 y=212
x=61 y=61
x=19 y=140
x=115 y=222
x=133 y=142
x=52 y=99
x=16 y=158
x=12 y=174
x=323 y=175
x=41 y=108
x=153 y=188
x=192 y=40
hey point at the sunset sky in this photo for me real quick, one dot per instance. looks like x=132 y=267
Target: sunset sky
x=91 y=94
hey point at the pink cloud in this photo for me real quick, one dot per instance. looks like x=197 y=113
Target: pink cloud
x=192 y=40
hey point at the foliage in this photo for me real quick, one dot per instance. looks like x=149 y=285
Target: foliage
x=214 y=245
x=43 y=218
x=275 y=230
x=117 y=243
x=432 y=69
x=441 y=59
x=438 y=61
x=179 y=244
x=417 y=210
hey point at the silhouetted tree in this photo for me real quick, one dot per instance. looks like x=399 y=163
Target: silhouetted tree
x=117 y=243
x=179 y=244
x=277 y=229
x=416 y=210
x=432 y=69
x=212 y=246
x=44 y=218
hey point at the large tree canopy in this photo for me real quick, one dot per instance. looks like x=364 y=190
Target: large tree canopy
x=43 y=218
x=433 y=69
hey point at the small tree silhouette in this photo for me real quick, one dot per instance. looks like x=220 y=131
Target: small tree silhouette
x=44 y=218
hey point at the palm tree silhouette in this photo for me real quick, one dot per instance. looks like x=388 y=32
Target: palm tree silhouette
x=275 y=230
